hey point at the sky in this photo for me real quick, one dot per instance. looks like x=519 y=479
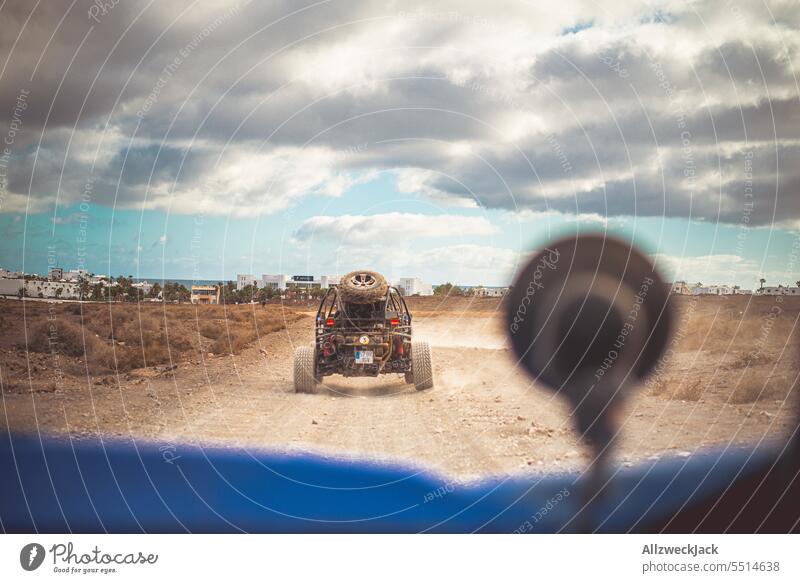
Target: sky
x=448 y=140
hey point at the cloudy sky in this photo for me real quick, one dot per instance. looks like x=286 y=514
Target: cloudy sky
x=193 y=139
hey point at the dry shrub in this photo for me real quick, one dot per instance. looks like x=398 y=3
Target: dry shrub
x=736 y=324
x=212 y=330
x=74 y=309
x=59 y=335
x=684 y=389
x=712 y=333
x=689 y=390
x=234 y=336
x=238 y=315
x=748 y=359
x=658 y=385
x=232 y=340
x=63 y=336
x=128 y=333
x=121 y=337
x=754 y=385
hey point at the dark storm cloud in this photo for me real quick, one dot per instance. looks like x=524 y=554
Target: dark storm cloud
x=238 y=102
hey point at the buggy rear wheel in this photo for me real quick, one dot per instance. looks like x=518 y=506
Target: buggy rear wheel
x=305 y=369
x=421 y=365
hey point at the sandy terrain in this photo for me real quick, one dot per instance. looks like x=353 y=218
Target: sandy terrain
x=482 y=417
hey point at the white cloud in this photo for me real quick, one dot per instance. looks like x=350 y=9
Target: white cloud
x=391 y=227
x=707 y=269
x=466 y=255
x=255 y=182
x=466 y=263
x=527 y=216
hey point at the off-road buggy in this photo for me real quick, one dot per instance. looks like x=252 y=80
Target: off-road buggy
x=363 y=328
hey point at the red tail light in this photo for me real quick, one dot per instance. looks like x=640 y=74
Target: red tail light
x=329 y=321
x=394 y=322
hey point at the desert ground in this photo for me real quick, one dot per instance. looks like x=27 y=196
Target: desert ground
x=223 y=376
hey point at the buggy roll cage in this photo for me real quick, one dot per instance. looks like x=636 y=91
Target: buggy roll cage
x=393 y=302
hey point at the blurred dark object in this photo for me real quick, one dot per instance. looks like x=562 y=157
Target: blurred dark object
x=589 y=317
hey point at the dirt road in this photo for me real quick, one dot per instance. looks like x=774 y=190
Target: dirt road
x=483 y=416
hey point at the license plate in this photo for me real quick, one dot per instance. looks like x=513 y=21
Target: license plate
x=363 y=357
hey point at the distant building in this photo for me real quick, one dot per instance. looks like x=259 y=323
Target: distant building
x=243 y=280
x=102 y=279
x=298 y=282
x=274 y=281
x=490 y=292
x=205 y=294
x=680 y=288
x=143 y=286
x=11 y=286
x=36 y=288
x=327 y=281
x=55 y=274
x=76 y=275
x=414 y=286
x=711 y=290
x=779 y=291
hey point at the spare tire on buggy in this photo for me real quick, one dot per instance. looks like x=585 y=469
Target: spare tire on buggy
x=363 y=287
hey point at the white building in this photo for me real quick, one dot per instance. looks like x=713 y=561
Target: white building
x=104 y=279
x=779 y=291
x=35 y=288
x=680 y=288
x=10 y=286
x=719 y=290
x=76 y=275
x=6 y=274
x=245 y=279
x=490 y=292
x=302 y=282
x=713 y=290
x=414 y=286
x=327 y=281
x=144 y=286
x=278 y=282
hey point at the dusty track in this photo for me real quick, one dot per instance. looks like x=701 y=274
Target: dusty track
x=483 y=416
